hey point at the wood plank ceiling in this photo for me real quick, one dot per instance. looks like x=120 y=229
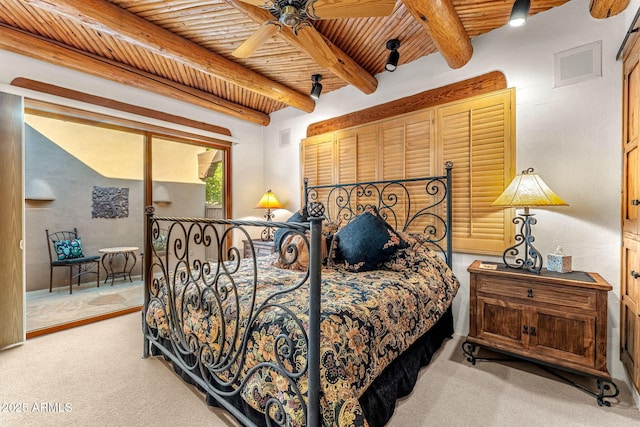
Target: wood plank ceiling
x=183 y=48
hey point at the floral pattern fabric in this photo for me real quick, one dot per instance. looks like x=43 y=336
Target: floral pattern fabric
x=367 y=320
x=68 y=249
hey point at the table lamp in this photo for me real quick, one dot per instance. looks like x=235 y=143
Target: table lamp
x=268 y=202
x=526 y=190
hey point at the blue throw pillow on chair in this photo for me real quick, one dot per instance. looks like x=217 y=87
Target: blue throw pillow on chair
x=68 y=249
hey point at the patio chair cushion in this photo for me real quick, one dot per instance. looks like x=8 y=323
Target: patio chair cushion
x=76 y=260
x=68 y=249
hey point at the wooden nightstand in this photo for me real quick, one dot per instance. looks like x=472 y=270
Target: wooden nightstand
x=558 y=320
x=262 y=247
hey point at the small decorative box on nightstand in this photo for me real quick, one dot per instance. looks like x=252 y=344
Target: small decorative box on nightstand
x=559 y=262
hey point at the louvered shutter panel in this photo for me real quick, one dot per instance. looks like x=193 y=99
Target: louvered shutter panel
x=476 y=135
x=317 y=162
x=347 y=155
x=419 y=156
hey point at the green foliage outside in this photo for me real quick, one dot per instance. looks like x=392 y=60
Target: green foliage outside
x=214 y=187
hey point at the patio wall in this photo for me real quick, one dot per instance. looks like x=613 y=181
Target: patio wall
x=72 y=182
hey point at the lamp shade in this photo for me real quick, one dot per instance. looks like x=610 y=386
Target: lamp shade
x=528 y=189
x=269 y=201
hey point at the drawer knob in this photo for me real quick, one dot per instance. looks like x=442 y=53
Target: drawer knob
x=532 y=331
x=529 y=293
x=635 y=202
x=525 y=330
x=635 y=274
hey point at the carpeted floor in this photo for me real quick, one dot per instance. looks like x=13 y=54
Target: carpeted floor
x=93 y=375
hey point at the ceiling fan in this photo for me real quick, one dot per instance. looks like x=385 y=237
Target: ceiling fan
x=297 y=15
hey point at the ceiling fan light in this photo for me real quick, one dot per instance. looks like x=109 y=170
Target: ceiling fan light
x=394 y=55
x=519 y=13
x=290 y=16
x=316 y=87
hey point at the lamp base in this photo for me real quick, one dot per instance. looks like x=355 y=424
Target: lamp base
x=267 y=232
x=531 y=258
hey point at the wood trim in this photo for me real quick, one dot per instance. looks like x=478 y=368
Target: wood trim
x=43 y=108
x=630 y=39
x=480 y=85
x=116 y=105
x=93 y=319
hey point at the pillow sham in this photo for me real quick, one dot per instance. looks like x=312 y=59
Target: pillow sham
x=287 y=259
x=300 y=216
x=420 y=258
x=68 y=249
x=366 y=242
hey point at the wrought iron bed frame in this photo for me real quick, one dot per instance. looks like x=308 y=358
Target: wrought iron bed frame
x=206 y=367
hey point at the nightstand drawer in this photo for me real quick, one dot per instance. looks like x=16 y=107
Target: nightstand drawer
x=565 y=296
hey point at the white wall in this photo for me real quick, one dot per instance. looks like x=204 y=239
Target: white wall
x=571 y=135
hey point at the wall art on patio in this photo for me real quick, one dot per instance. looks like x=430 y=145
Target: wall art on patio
x=110 y=202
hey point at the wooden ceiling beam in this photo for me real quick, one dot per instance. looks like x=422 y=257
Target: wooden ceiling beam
x=45 y=50
x=440 y=20
x=110 y=19
x=345 y=68
x=601 y=9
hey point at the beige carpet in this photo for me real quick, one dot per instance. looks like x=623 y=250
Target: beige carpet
x=93 y=375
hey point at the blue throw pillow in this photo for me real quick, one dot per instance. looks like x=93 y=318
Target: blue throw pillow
x=367 y=242
x=68 y=249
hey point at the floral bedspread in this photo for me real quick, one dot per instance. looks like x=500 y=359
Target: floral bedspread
x=368 y=319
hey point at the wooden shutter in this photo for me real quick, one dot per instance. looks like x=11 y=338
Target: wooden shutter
x=356 y=151
x=318 y=162
x=407 y=152
x=477 y=136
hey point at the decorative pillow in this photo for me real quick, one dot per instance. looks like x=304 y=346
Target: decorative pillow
x=160 y=243
x=301 y=263
x=366 y=242
x=290 y=260
x=300 y=216
x=68 y=249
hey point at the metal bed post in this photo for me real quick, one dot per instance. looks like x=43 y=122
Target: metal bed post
x=313 y=359
x=146 y=267
x=449 y=167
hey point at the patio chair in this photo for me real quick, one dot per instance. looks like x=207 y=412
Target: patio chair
x=65 y=250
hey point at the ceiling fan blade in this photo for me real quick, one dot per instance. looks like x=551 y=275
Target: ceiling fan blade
x=258 y=3
x=338 y=9
x=256 y=40
x=314 y=44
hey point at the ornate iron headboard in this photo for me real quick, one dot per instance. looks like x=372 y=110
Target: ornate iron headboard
x=414 y=205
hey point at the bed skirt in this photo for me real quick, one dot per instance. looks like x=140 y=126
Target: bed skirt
x=379 y=400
